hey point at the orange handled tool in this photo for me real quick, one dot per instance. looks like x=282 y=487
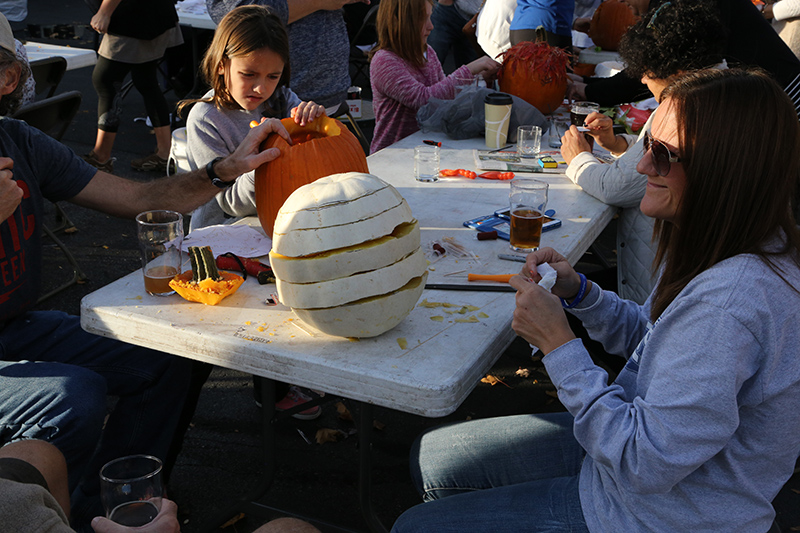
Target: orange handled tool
x=502 y=278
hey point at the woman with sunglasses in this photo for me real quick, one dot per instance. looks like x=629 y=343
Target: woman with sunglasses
x=701 y=429
x=677 y=36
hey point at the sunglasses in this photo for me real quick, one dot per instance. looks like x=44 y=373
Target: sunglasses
x=662 y=156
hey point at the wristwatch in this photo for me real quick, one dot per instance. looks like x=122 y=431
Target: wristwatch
x=213 y=175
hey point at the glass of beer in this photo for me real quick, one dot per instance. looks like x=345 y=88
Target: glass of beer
x=578 y=112
x=131 y=489
x=528 y=199
x=160 y=238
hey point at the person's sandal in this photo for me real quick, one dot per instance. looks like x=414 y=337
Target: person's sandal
x=150 y=163
x=107 y=166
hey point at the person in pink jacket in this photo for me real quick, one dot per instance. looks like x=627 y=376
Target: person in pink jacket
x=405 y=72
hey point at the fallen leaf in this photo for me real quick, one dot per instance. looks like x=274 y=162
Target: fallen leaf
x=329 y=435
x=343 y=412
x=71 y=229
x=233 y=520
x=523 y=372
x=493 y=380
x=402 y=342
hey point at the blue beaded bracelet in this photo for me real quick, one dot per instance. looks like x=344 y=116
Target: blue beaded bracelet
x=579 y=297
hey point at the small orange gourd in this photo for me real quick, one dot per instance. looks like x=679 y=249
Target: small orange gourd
x=204 y=283
x=610 y=21
x=321 y=148
x=535 y=72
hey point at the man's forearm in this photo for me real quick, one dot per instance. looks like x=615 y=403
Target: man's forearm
x=126 y=198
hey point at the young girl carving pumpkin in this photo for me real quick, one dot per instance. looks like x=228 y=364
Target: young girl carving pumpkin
x=247 y=67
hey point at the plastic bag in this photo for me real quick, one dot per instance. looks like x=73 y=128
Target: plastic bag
x=463 y=117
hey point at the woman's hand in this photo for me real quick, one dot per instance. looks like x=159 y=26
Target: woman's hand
x=576 y=90
x=567 y=281
x=484 y=66
x=166 y=521
x=539 y=317
x=572 y=143
x=100 y=21
x=306 y=112
x=601 y=127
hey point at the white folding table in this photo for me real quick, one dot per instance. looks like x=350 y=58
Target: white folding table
x=423 y=366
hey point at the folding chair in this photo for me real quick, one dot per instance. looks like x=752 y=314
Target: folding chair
x=48 y=73
x=359 y=61
x=53 y=116
x=344 y=112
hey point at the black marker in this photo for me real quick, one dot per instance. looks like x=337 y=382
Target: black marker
x=432 y=143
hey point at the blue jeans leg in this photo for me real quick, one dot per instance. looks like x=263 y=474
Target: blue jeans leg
x=151 y=388
x=501 y=474
x=62 y=404
x=447 y=35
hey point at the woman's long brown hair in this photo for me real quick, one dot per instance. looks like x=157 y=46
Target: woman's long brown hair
x=399 y=28
x=740 y=139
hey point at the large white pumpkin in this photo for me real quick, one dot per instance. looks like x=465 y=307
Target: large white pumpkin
x=346 y=255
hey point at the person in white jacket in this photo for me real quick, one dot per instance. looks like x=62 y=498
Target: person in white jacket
x=785 y=16
x=690 y=37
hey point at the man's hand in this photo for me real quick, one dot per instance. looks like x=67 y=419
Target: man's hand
x=165 y=522
x=248 y=156
x=10 y=192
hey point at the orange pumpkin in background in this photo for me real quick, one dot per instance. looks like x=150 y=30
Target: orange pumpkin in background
x=609 y=23
x=535 y=72
x=321 y=148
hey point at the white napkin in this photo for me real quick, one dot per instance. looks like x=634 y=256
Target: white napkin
x=242 y=240
x=549 y=276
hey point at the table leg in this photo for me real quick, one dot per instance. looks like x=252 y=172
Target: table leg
x=365 y=468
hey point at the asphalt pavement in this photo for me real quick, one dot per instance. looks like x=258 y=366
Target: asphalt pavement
x=221 y=459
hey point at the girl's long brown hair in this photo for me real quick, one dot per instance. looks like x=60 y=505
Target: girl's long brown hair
x=242 y=31
x=739 y=138
x=399 y=27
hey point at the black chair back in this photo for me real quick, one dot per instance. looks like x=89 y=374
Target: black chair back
x=48 y=73
x=52 y=115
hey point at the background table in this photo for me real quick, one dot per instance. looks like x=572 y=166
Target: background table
x=76 y=57
x=422 y=366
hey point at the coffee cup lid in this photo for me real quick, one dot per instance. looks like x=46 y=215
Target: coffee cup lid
x=498 y=99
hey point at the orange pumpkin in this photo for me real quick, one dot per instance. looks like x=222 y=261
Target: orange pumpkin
x=537 y=73
x=321 y=148
x=609 y=23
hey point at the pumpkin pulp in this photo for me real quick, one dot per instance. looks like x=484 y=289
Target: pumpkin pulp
x=205 y=283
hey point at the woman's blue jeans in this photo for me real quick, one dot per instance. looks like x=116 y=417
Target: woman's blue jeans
x=54 y=378
x=508 y=474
